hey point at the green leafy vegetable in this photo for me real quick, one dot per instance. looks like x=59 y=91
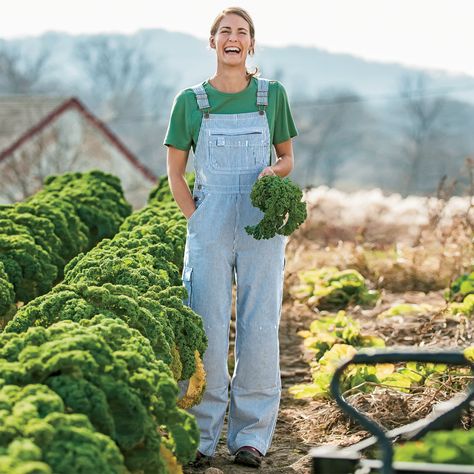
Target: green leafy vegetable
x=36 y=435
x=107 y=371
x=461 y=287
x=280 y=200
x=440 y=447
x=329 y=288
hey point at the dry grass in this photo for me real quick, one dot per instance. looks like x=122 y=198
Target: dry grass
x=418 y=244
x=322 y=421
x=438 y=258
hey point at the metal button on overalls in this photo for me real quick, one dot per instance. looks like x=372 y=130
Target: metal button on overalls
x=231 y=151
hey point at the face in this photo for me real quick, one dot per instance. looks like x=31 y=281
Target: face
x=232 y=40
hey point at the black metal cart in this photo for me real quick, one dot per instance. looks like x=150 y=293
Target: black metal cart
x=335 y=460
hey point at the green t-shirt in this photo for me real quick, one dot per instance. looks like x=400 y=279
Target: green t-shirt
x=185 y=119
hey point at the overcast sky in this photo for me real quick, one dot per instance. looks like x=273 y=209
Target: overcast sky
x=425 y=33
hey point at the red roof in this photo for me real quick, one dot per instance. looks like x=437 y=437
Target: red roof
x=74 y=103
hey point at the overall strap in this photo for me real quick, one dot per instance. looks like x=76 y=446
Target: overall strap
x=262 y=100
x=262 y=94
x=202 y=99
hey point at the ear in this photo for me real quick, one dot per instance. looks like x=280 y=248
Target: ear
x=211 y=42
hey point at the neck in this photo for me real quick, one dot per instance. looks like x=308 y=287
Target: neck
x=230 y=79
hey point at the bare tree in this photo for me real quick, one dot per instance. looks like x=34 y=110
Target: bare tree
x=118 y=72
x=421 y=128
x=22 y=71
x=329 y=132
x=23 y=172
x=127 y=91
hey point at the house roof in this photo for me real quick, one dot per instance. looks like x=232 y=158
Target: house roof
x=22 y=117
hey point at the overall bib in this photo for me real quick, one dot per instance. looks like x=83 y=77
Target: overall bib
x=231 y=151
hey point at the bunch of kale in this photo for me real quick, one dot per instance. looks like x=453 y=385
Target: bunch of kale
x=114 y=337
x=107 y=371
x=279 y=199
x=38 y=436
x=132 y=277
x=39 y=236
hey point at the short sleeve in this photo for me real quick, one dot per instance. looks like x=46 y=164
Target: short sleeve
x=285 y=127
x=179 y=132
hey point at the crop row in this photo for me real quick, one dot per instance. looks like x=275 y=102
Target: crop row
x=97 y=359
x=39 y=236
x=333 y=338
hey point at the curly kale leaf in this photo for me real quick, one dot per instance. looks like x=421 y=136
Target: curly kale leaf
x=107 y=371
x=279 y=199
x=81 y=301
x=27 y=265
x=137 y=255
x=22 y=456
x=71 y=231
x=35 y=425
x=69 y=215
x=187 y=326
x=162 y=193
x=168 y=222
x=158 y=314
x=97 y=198
x=7 y=293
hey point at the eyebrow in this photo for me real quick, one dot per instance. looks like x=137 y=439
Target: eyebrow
x=228 y=28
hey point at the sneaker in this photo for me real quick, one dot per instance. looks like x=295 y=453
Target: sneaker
x=201 y=460
x=248 y=456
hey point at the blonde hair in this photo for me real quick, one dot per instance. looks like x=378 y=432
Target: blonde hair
x=243 y=14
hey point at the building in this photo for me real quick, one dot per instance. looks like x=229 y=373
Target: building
x=40 y=136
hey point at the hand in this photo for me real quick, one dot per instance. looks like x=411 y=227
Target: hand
x=268 y=171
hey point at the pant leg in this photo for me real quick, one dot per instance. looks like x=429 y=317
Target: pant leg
x=208 y=263
x=256 y=383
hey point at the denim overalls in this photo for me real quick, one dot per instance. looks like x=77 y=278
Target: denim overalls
x=231 y=151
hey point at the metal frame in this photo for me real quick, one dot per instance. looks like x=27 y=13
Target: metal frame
x=335 y=460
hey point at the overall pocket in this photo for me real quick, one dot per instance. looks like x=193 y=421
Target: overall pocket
x=188 y=284
x=200 y=198
x=237 y=150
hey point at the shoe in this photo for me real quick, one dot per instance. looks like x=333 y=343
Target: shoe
x=201 y=460
x=248 y=456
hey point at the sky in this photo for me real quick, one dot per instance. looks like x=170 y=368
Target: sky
x=434 y=34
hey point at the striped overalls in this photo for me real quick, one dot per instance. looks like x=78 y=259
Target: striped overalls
x=231 y=151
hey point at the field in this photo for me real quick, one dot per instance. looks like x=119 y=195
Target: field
x=410 y=250
x=95 y=332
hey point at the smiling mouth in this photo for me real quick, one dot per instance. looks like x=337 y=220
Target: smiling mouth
x=234 y=51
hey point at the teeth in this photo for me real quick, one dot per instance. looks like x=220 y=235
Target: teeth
x=235 y=50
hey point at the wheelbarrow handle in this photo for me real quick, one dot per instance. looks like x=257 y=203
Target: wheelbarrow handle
x=376 y=356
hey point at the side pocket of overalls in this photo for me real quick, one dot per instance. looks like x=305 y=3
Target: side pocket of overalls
x=200 y=197
x=188 y=284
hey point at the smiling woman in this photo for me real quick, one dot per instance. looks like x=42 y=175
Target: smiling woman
x=231 y=121
x=233 y=37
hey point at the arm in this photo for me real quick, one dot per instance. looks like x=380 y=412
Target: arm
x=176 y=160
x=284 y=163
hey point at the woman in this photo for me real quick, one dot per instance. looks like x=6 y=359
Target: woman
x=230 y=121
